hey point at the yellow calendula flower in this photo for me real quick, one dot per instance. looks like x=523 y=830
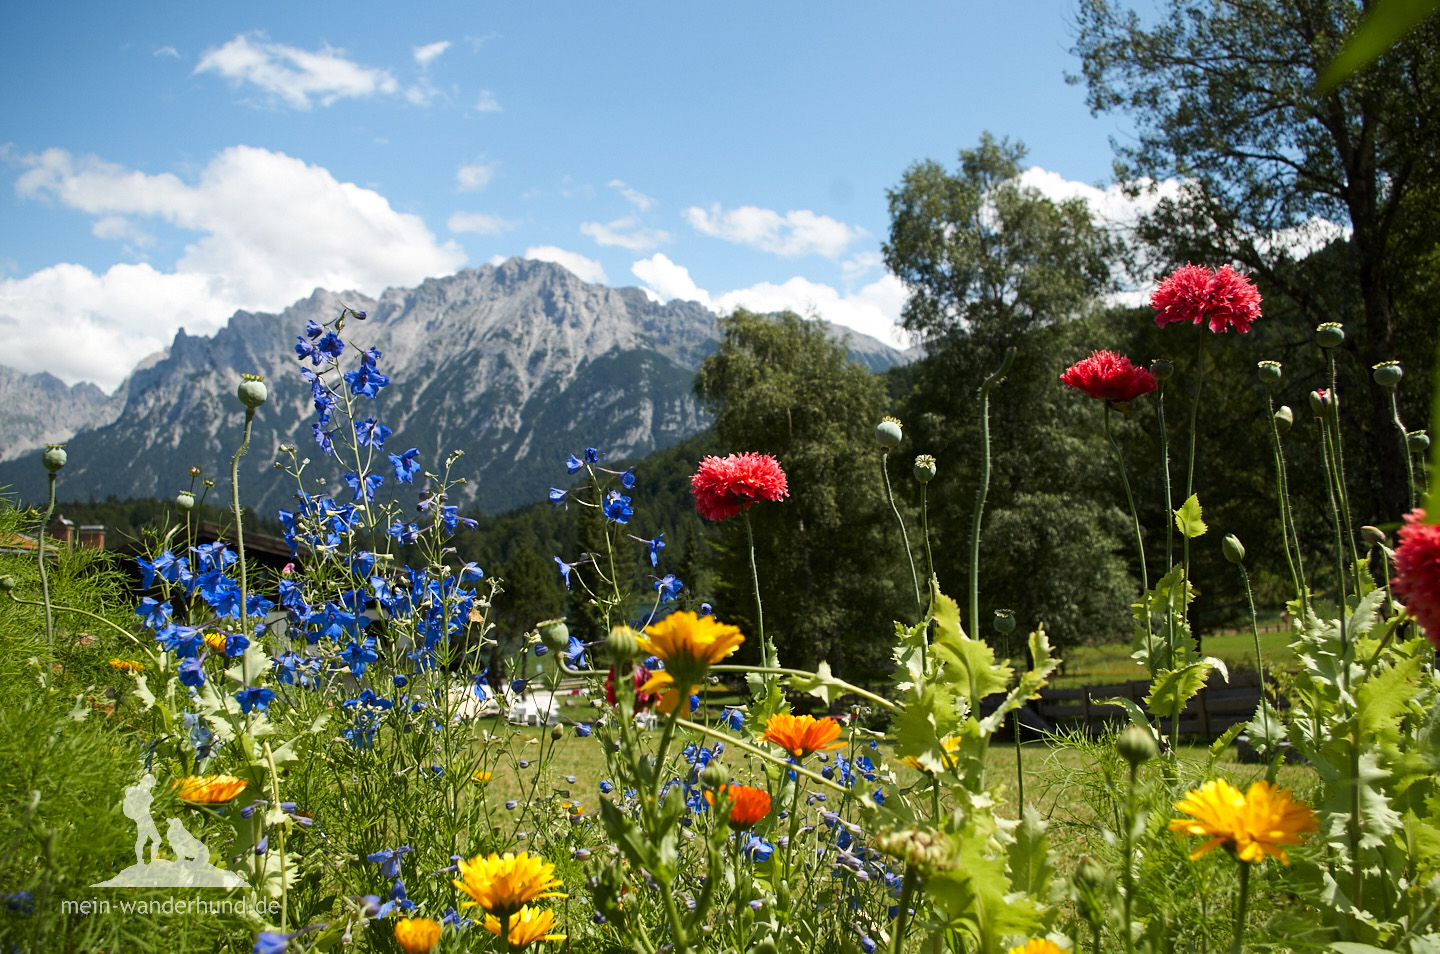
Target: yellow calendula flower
x=689 y=645
x=207 y=789
x=1039 y=945
x=505 y=883
x=215 y=641
x=951 y=744
x=803 y=735
x=527 y=926
x=417 y=935
x=127 y=665
x=1259 y=823
x=482 y=776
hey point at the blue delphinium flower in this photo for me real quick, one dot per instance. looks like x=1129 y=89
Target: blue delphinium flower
x=471 y=573
x=389 y=860
x=365 y=488
x=154 y=614
x=453 y=917
x=591 y=455
x=191 y=672
x=557 y=497
x=617 y=508
x=371 y=432
x=575 y=654
x=732 y=718
x=313 y=329
x=269 y=942
x=583 y=729
x=481 y=684
x=304 y=349
x=322 y=437
x=406 y=465
x=366 y=380
x=668 y=587
x=359 y=655
x=757 y=849
x=627 y=479
x=256 y=698
x=330 y=345
x=573 y=464
x=565 y=569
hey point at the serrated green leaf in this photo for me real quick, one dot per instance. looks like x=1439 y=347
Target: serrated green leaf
x=822 y=684
x=1188 y=519
x=1031 y=862
x=1384 y=697
x=1173 y=688
x=1043 y=663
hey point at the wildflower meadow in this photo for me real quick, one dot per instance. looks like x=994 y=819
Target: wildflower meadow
x=339 y=738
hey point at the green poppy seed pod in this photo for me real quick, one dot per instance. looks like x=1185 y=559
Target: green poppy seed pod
x=1417 y=441
x=623 y=644
x=888 y=434
x=1284 y=418
x=765 y=946
x=1374 y=536
x=1234 y=550
x=1387 y=374
x=1136 y=746
x=1161 y=369
x=252 y=391
x=554 y=634
x=54 y=457
x=1004 y=621
x=1330 y=334
x=184 y=501
x=924 y=468
x=1269 y=372
x=7 y=583
x=714 y=776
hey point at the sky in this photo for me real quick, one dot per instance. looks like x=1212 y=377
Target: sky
x=168 y=163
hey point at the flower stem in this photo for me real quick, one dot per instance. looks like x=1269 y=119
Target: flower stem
x=902 y=918
x=1134 y=517
x=71 y=609
x=984 y=488
x=1019 y=761
x=1242 y=906
x=1189 y=491
x=44 y=576
x=1169 y=523
x=1129 y=860
x=240 y=537
x=1342 y=492
x=1260 y=668
x=768 y=656
x=890 y=495
x=1287 y=519
x=1410 y=499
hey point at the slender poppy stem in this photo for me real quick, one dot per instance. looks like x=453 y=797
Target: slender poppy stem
x=904 y=536
x=984 y=487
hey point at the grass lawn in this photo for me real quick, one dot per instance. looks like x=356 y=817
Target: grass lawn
x=1111 y=663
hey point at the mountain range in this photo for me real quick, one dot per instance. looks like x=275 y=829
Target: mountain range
x=518 y=365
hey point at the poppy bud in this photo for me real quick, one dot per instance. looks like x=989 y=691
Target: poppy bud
x=557 y=733
x=1269 y=372
x=252 y=391
x=622 y=644
x=1284 y=418
x=184 y=501
x=7 y=583
x=54 y=457
x=1090 y=873
x=1388 y=374
x=924 y=468
x=1234 y=550
x=714 y=776
x=1135 y=746
x=1322 y=403
x=1161 y=369
x=1004 y=621
x=1330 y=334
x=1373 y=536
x=1417 y=441
x=554 y=634
x=888 y=434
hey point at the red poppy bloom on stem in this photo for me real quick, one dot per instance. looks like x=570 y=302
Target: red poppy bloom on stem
x=1224 y=299
x=1417 y=572
x=1110 y=377
x=723 y=486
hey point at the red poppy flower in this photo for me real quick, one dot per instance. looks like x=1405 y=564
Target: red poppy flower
x=723 y=486
x=1224 y=299
x=1417 y=572
x=643 y=700
x=1110 y=377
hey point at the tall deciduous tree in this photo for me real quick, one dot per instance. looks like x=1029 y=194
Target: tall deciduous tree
x=1223 y=94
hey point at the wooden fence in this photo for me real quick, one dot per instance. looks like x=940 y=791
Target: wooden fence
x=1214 y=708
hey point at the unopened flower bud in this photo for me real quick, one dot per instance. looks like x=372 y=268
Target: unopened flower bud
x=581 y=854
x=1234 y=550
x=1161 y=369
x=1417 y=441
x=1330 y=334
x=1387 y=374
x=622 y=644
x=714 y=776
x=194 y=471
x=557 y=733
x=1004 y=621
x=252 y=391
x=7 y=583
x=554 y=634
x=1269 y=372
x=1091 y=873
x=1321 y=402
x=888 y=434
x=1284 y=418
x=54 y=457
x=1373 y=536
x=924 y=468
x=184 y=501
x=1136 y=745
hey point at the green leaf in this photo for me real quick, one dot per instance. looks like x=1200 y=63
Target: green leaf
x=80 y=711
x=1188 y=518
x=1384 y=698
x=1173 y=688
x=1043 y=663
x=822 y=685
x=1032 y=863
x=1137 y=715
x=1387 y=23
x=1267 y=730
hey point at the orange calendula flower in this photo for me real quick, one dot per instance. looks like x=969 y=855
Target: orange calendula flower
x=1039 y=945
x=689 y=645
x=527 y=926
x=417 y=935
x=504 y=884
x=1259 y=823
x=127 y=665
x=747 y=805
x=207 y=789
x=802 y=735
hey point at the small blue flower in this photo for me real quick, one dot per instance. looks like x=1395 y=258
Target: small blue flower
x=583 y=730
x=313 y=329
x=359 y=655
x=471 y=573
x=258 y=699
x=606 y=786
x=270 y=942
x=371 y=432
x=389 y=860
x=757 y=849
x=406 y=465
x=365 y=488
x=706 y=609
x=330 y=345
x=557 y=497
x=565 y=569
x=732 y=718
x=573 y=464
x=591 y=455
x=617 y=508
x=627 y=479
x=154 y=613
x=668 y=587
x=322 y=437
x=192 y=672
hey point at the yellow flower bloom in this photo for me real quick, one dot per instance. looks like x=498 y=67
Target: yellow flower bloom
x=951 y=744
x=506 y=883
x=207 y=789
x=482 y=776
x=689 y=645
x=1253 y=825
x=803 y=735
x=417 y=935
x=527 y=926
x=1039 y=945
x=215 y=641
x=127 y=665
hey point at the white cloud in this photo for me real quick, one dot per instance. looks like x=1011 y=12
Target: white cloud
x=476 y=175
x=481 y=223
x=873 y=310
x=167 y=51
x=636 y=198
x=585 y=269
x=796 y=233
x=121 y=228
x=293 y=75
x=497 y=260
x=625 y=233
x=271 y=228
x=425 y=55
x=487 y=103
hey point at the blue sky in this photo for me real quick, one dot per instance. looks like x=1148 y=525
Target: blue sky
x=169 y=163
